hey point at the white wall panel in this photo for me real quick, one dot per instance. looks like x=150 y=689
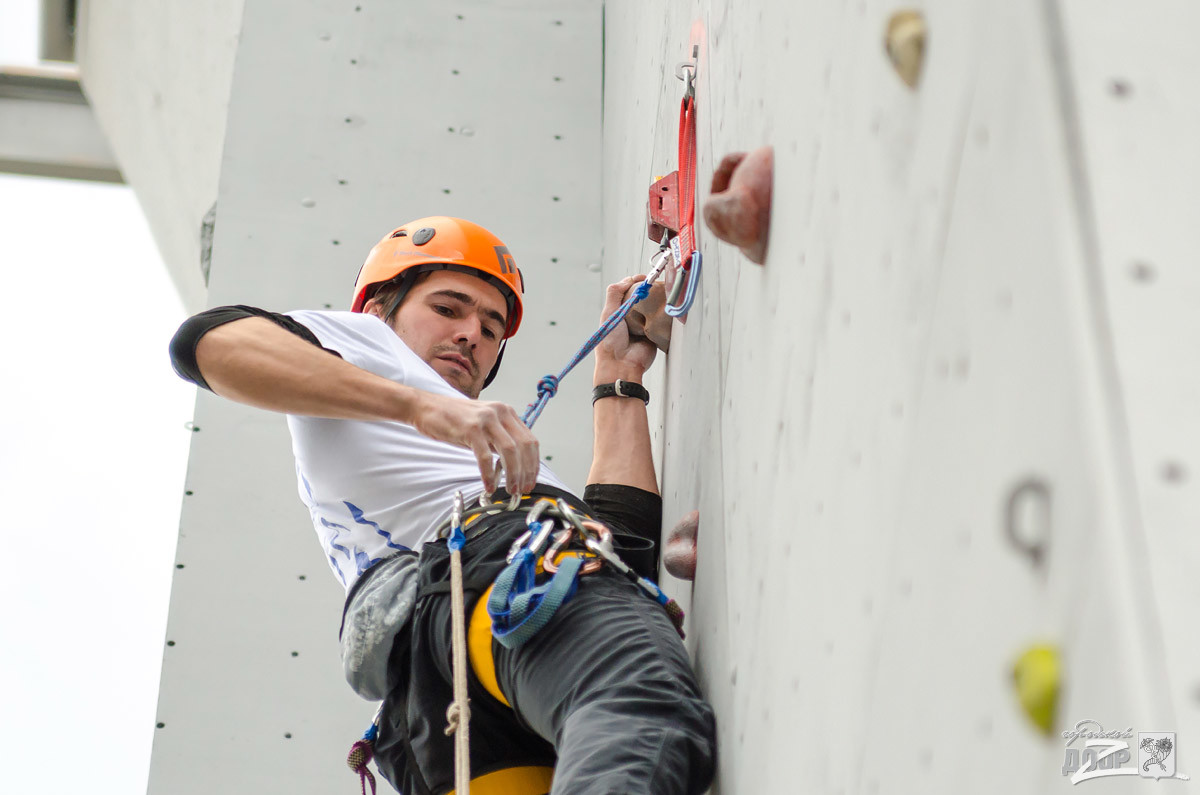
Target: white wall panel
x=1138 y=120
x=157 y=75
x=346 y=119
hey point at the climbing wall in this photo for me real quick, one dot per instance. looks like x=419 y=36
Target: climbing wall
x=953 y=415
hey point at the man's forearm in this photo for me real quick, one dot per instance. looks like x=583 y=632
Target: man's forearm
x=621 y=450
x=256 y=362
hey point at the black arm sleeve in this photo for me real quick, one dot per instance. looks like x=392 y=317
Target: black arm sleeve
x=183 y=344
x=636 y=512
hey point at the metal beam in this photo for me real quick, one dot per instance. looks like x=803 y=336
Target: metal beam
x=58 y=30
x=47 y=128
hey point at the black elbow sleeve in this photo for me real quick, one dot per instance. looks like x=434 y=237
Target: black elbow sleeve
x=634 y=513
x=183 y=344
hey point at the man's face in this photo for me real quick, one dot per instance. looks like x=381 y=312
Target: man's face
x=454 y=322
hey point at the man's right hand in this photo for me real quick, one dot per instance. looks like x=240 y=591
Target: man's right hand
x=485 y=428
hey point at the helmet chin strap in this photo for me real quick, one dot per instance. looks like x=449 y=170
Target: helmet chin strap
x=495 y=367
x=404 y=285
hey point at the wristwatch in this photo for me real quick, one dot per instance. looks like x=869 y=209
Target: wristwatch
x=627 y=389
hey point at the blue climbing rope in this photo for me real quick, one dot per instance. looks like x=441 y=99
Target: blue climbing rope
x=548 y=386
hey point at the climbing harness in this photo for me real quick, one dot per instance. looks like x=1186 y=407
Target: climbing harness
x=512 y=610
x=520 y=608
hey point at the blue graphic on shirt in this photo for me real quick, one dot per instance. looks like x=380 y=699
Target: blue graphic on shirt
x=357 y=513
x=362 y=561
x=337 y=570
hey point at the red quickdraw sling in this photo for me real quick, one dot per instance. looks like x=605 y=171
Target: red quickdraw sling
x=671 y=211
x=687 y=174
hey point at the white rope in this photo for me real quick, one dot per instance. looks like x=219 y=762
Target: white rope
x=458 y=716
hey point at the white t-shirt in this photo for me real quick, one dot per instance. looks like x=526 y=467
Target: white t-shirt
x=376 y=487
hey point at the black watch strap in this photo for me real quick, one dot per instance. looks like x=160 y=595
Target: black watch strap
x=620 y=388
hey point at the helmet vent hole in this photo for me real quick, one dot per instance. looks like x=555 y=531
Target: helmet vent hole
x=399 y=233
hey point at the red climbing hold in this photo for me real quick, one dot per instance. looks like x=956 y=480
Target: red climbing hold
x=680 y=554
x=738 y=210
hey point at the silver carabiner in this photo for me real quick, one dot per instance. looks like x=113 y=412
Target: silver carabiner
x=515 y=547
x=686 y=71
x=535 y=513
x=569 y=514
x=603 y=549
x=539 y=541
x=658 y=263
x=514 y=500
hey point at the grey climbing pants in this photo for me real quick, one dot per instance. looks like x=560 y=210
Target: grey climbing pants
x=604 y=693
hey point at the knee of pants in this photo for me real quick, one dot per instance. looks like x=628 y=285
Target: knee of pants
x=606 y=751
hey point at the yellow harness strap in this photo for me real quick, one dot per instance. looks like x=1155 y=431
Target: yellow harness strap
x=479 y=638
x=479 y=648
x=513 y=781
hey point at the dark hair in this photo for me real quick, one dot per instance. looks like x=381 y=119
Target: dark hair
x=390 y=294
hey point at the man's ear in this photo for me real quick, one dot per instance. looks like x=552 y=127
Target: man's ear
x=373 y=307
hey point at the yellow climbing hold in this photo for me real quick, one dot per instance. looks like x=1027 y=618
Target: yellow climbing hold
x=1036 y=677
x=905 y=43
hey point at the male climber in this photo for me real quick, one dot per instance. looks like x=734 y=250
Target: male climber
x=386 y=427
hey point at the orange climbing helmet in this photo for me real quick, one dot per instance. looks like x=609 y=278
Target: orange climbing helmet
x=441 y=243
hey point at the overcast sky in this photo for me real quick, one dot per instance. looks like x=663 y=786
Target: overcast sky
x=93 y=448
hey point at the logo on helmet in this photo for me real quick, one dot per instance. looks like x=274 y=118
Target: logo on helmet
x=507 y=263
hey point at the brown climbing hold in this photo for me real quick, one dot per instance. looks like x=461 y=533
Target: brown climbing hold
x=648 y=317
x=738 y=210
x=680 y=554
x=905 y=43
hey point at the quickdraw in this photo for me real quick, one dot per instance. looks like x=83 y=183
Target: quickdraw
x=671 y=221
x=671 y=208
x=518 y=606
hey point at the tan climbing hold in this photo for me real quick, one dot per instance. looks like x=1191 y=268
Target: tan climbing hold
x=905 y=43
x=738 y=209
x=679 y=556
